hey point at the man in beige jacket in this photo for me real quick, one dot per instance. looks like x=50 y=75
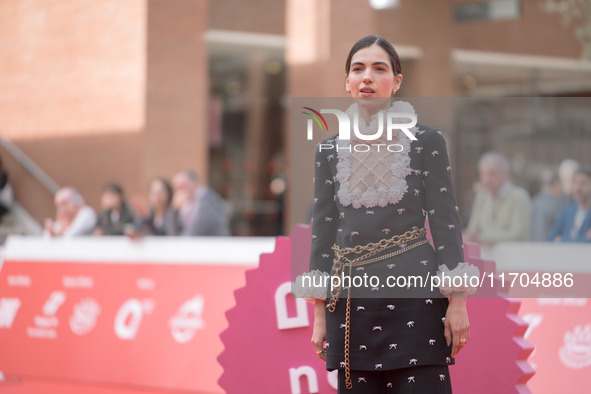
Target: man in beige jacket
x=501 y=210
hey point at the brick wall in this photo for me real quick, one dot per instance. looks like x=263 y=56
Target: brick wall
x=177 y=89
x=535 y=33
x=71 y=67
x=255 y=16
x=103 y=90
x=72 y=77
x=117 y=89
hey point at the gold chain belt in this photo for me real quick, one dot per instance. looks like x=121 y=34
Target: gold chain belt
x=340 y=262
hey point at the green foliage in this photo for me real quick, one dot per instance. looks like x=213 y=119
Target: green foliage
x=578 y=13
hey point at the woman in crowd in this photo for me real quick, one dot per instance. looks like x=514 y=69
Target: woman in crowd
x=162 y=218
x=116 y=216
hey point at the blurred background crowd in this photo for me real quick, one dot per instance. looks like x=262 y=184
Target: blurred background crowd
x=180 y=207
x=104 y=103
x=501 y=210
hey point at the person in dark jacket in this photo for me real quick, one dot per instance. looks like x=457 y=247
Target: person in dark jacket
x=201 y=211
x=116 y=216
x=162 y=217
x=574 y=222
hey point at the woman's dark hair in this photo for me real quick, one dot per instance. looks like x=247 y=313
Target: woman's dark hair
x=115 y=188
x=368 y=41
x=167 y=186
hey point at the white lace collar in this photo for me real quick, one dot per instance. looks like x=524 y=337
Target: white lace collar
x=374 y=178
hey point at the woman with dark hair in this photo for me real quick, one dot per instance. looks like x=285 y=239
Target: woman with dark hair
x=116 y=216
x=369 y=215
x=162 y=217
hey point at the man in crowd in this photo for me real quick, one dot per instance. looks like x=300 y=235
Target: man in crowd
x=566 y=171
x=501 y=210
x=73 y=217
x=574 y=222
x=546 y=206
x=201 y=211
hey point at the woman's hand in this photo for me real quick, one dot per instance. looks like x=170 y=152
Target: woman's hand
x=319 y=330
x=457 y=325
x=470 y=236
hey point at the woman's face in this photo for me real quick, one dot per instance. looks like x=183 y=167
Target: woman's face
x=371 y=74
x=157 y=195
x=110 y=201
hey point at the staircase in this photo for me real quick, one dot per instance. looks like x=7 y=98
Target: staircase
x=18 y=221
x=25 y=177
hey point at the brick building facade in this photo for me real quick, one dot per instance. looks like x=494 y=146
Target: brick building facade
x=128 y=90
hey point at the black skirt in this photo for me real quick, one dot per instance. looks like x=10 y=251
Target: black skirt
x=391 y=327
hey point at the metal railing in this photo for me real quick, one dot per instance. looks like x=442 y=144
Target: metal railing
x=25 y=223
x=29 y=165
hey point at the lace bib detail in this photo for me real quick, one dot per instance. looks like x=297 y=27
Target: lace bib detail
x=374 y=178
